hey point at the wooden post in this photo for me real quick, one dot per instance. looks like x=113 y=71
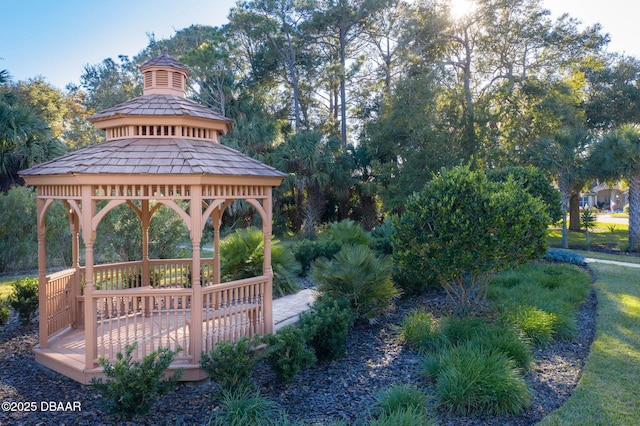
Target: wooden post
x=197 y=298
x=42 y=276
x=216 y=220
x=266 y=267
x=145 y=219
x=90 y=307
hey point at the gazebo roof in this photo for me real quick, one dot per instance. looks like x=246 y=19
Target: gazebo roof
x=159 y=133
x=155 y=156
x=158 y=105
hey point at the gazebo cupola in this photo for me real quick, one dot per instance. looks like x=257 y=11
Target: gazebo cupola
x=164 y=75
x=162 y=150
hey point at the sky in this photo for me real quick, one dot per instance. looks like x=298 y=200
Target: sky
x=55 y=39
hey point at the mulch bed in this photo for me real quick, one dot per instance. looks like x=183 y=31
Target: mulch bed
x=340 y=390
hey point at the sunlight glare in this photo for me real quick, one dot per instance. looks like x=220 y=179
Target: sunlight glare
x=461 y=8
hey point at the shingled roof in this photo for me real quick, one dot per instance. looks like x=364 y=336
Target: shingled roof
x=156 y=156
x=158 y=105
x=134 y=148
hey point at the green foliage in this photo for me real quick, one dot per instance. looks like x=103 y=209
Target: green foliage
x=541 y=300
x=357 y=275
x=403 y=417
x=533 y=181
x=24 y=299
x=18 y=223
x=134 y=386
x=242 y=256
x=556 y=255
x=243 y=407
x=133 y=280
x=288 y=353
x=472 y=379
x=420 y=330
x=4 y=311
x=348 y=232
x=307 y=251
x=536 y=324
x=461 y=229
x=399 y=398
x=588 y=221
x=326 y=328
x=381 y=236
x=231 y=364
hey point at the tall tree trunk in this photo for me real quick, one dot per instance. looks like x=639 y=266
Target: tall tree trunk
x=566 y=195
x=343 y=87
x=634 y=212
x=574 y=211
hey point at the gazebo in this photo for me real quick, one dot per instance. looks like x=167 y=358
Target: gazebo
x=161 y=149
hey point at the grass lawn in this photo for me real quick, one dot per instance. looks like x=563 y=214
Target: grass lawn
x=609 y=391
x=611 y=235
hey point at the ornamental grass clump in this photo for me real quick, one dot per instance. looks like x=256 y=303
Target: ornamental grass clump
x=474 y=379
x=541 y=300
x=419 y=329
x=400 y=397
x=356 y=274
x=244 y=407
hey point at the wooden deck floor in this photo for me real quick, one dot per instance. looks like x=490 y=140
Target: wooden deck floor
x=66 y=351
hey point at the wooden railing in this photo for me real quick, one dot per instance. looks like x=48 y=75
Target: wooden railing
x=151 y=318
x=162 y=318
x=233 y=310
x=163 y=273
x=60 y=300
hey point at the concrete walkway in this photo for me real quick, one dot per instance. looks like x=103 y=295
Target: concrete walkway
x=287 y=309
x=612 y=262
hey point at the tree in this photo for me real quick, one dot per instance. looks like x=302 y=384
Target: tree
x=617 y=155
x=110 y=83
x=339 y=26
x=25 y=138
x=564 y=156
x=613 y=93
x=463 y=228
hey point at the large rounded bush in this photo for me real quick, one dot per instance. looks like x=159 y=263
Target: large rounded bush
x=461 y=229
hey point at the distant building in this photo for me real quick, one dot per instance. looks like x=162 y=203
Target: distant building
x=605 y=197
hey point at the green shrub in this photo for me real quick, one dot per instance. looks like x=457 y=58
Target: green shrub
x=506 y=339
x=288 y=353
x=307 y=251
x=326 y=328
x=533 y=181
x=462 y=228
x=400 y=397
x=24 y=298
x=242 y=256
x=348 y=232
x=244 y=407
x=134 y=386
x=403 y=417
x=231 y=364
x=4 y=311
x=563 y=256
x=419 y=329
x=472 y=379
x=133 y=280
x=381 y=236
x=357 y=275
